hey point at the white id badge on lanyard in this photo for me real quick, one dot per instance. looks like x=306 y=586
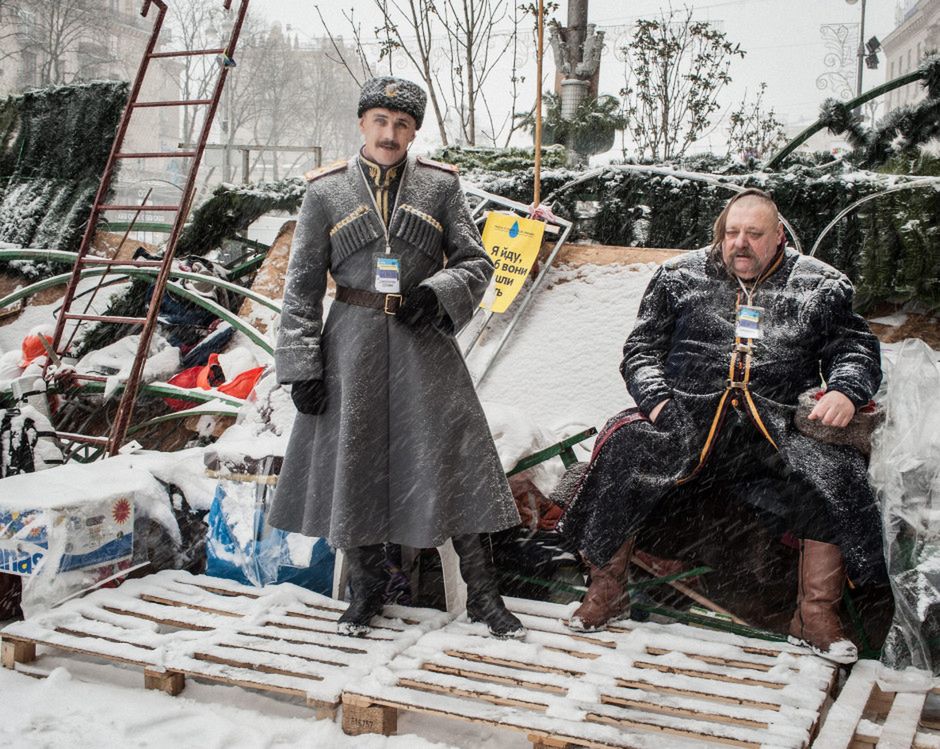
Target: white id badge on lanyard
x=387 y=277
x=748 y=322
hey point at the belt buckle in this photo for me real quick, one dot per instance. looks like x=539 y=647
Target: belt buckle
x=735 y=385
x=389 y=297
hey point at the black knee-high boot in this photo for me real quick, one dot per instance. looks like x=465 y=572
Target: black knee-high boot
x=366 y=585
x=483 y=601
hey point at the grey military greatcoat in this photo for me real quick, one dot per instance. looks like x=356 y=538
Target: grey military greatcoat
x=403 y=452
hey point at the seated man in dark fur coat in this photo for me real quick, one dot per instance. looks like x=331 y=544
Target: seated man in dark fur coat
x=725 y=341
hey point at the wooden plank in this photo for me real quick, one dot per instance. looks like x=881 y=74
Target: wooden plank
x=268 y=651
x=331 y=630
x=468 y=673
x=228 y=592
x=714 y=660
x=670 y=731
x=104 y=654
x=186 y=605
x=839 y=728
x=261 y=668
x=17 y=651
x=178 y=624
x=691 y=725
x=697 y=708
x=277 y=637
x=360 y=718
x=771 y=650
x=522 y=665
x=731 y=679
x=903 y=719
x=533 y=724
x=164 y=681
x=692 y=693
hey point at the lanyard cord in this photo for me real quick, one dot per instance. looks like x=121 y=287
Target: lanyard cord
x=747 y=294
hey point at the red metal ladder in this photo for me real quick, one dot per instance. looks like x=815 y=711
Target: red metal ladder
x=60 y=343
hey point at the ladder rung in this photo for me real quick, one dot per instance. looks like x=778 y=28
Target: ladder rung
x=188 y=52
x=91 y=260
x=73 y=437
x=105 y=318
x=157 y=155
x=177 y=103
x=115 y=207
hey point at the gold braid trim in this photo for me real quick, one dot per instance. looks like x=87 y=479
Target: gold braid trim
x=357 y=212
x=421 y=214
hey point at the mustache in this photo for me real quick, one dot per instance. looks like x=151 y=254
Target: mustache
x=744 y=252
x=388 y=144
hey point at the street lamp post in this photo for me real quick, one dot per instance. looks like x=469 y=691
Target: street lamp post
x=861 y=48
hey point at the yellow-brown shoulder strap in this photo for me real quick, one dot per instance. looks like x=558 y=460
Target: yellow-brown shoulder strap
x=324 y=170
x=438 y=165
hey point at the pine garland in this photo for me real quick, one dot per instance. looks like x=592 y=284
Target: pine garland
x=54 y=144
x=234 y=208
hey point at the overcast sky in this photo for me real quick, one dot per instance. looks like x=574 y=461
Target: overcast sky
x=785 y=46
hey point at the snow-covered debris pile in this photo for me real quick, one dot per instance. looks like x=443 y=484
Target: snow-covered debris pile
x=74 y=518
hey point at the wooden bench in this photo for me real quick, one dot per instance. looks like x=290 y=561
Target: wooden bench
x=280 y=639
x=637 y=685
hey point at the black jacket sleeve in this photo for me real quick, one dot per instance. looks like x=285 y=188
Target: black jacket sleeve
x=851 y=355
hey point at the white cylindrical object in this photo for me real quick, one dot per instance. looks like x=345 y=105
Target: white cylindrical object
x=573 y=92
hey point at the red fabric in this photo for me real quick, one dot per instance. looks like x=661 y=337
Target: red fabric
x=32 y=348
x=185 y=379
x=211 y=376
x=242 y=384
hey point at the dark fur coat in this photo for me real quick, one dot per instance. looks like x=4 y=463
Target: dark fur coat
x=683 y=348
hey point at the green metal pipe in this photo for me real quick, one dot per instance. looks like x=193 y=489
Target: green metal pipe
x=809 y=132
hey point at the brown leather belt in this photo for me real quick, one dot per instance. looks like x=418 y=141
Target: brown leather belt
x=388 y=303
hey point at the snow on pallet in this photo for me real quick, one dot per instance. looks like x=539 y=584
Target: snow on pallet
x=280 y=639
x=863 y=716
x=638 y=685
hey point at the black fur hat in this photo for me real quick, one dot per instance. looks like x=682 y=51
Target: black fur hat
x=388 y=92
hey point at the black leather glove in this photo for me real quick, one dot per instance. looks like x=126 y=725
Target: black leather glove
x=309 y=396
x=420 y=309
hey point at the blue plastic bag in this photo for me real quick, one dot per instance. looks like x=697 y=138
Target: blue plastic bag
x=242 y=547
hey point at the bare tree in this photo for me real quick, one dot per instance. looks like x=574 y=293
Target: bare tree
x=343 y=53
x=61 y=37
x=416 y=16
x=678 y=68
x=753 y=131
x=472 y=52
x=194 y=25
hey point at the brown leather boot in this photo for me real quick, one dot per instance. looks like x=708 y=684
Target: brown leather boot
x=815 y=623
x=607 y=598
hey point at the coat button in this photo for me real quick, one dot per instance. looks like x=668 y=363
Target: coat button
x=734 y=402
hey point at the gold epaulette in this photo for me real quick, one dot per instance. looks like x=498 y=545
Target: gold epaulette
x=322 y=171
x=438 y=165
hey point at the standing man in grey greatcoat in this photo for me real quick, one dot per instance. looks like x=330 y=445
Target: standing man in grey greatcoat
x=390 y=443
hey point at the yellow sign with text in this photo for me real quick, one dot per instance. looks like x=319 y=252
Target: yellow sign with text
x=513 y=244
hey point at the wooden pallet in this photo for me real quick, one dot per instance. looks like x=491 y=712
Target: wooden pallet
x=637 y=685
x=279 y=639
x=863 y=716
